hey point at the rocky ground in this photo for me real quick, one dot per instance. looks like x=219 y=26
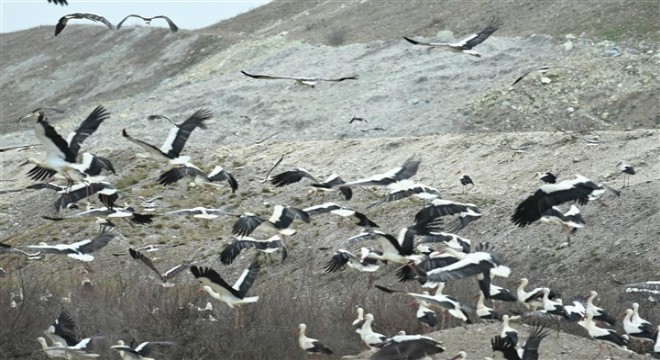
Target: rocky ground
x=452 y=111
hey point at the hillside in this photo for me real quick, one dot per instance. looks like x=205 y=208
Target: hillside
x=452 y=111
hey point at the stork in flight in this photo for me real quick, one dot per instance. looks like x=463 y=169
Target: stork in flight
x=309 y=81
x=465 y=45
x=147 y=20
x=96 y=18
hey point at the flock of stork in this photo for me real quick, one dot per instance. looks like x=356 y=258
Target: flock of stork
x=440 y=255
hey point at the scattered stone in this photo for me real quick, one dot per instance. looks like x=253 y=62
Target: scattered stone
x=569 y=37
x=570 y=109
x=545 y=80
x=568 y=46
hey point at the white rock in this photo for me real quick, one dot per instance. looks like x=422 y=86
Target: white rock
x=545 y=80
x=568 y=46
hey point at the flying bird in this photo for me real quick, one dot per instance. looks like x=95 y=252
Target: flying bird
x=465 y=213
x=218 y=288
x=81 y=250
x=59 y=2
x=570 y=220
x=140 y=352
x=176 y=139
x=309 y=81
x=280 y=221
x=95 y=18
x=408 y=347
x=579 y=189
x=147 y=20
x=164 y=277
x=357 y=218
x=212 y=179
x=199 y=212
x=542 y=70
x=466 y=44
x=530 y=351
x=270 y=245
x=293 y=176
x=63 y=330
x=405 y=171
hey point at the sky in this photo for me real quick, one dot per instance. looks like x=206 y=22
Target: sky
x=194 y=14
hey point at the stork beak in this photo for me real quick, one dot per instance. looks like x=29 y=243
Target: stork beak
x=27 y=116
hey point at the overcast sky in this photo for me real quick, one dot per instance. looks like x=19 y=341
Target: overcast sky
x=24 y=14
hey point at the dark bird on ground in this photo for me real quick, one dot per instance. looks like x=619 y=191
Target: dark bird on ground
x=466 y=44
x=147 y=20
x=626 y=170
x=530 y=351
x=405 y=171
x=465 y=181
x=579 y=189
x=176 y=139
x=408 y=347
x=164 y=277
x=293 y=176
x=309 y=81
x=95 y=18
x=309 y=345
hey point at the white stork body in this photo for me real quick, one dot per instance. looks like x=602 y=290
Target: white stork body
x=268 y=246
x=80 y=250
x=606 y=336
x=635 y=326
x=530 y=299
x=199 y=212
x=279 y=221
x=508 y=333
x=140 y=352
x=405 y=171
x=596 y=312
x=373 y=339
x=466 y=44
x=309 y=345
x=408 y=347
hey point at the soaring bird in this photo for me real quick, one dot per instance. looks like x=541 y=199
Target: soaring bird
x=466 y=44
x=357 y=218
x=342 y=258
x=309 y=81
x=406 y=188
x=199 y=212
x=280 y=221
x=297 y=174
x=465 y=213
x=81 y=250
x=542 y=70
x=61 y=154
x=95 y=18
x=439 y=300
x=268 y=246
x=63 y=330
x=164 y=277
x=147 y=20
x=213 y=179
x=59 y=2
x=176 y=139
x=218 y=288
x=140 y=352
x=579 y=189
x=405 y=171
x=309 y=345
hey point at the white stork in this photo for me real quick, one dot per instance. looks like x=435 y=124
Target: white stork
x=140 y=352
x=439 y=300
x=147 y=20
x=494 y=292
x=164 y=277
x=466 y=213
x=81 y=250
x=371 y=338
x=651 y=287
x=596 y=312
x=268 y=246
x=466 y=44
x=552 y=307
x=425 y=314
x=603 y=336
x=95 y=18
x=484 y=312
x=531 y=299
x=199 y=212
x=170 y=151
x=75 y=352
x=293 y=176
x=279 y=221
x=357 y=218
x=309 y=81
x=579 y=189
x=637 y=327
x=212 y=179
x=406 y=188
x=107 y=194
x=61 y=154
x=408 y=347
x=452 y=240
x=233 y=296
x=405 y=171
x=309 y=345
x=547 y=177
x=508 y=333
x=626 y=170
x=570 y=220
x=342 y=258
x=397 y=249
x=126 y=212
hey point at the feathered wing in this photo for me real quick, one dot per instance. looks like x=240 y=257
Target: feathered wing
x=246 y=224
x=482 y=35
x=290 y=177
x=177 y=173
x=129 y=16
x=148 y=147
x=256 y=76
x=170 y=23
x=145 y=260
x=87 y=128
x=179 y=135
x=231 y=251
x=249 y=275
x=97 y=243
x=220 y=174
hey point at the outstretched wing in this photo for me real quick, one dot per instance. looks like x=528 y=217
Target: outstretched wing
x=476 y=39
x=179 y=135
x=291 y=177
x=256 y=76
x=86 y=128
x=131 y=15
x=145 y=260
x=352 y=77
x=171 y=24
x=177 y=173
